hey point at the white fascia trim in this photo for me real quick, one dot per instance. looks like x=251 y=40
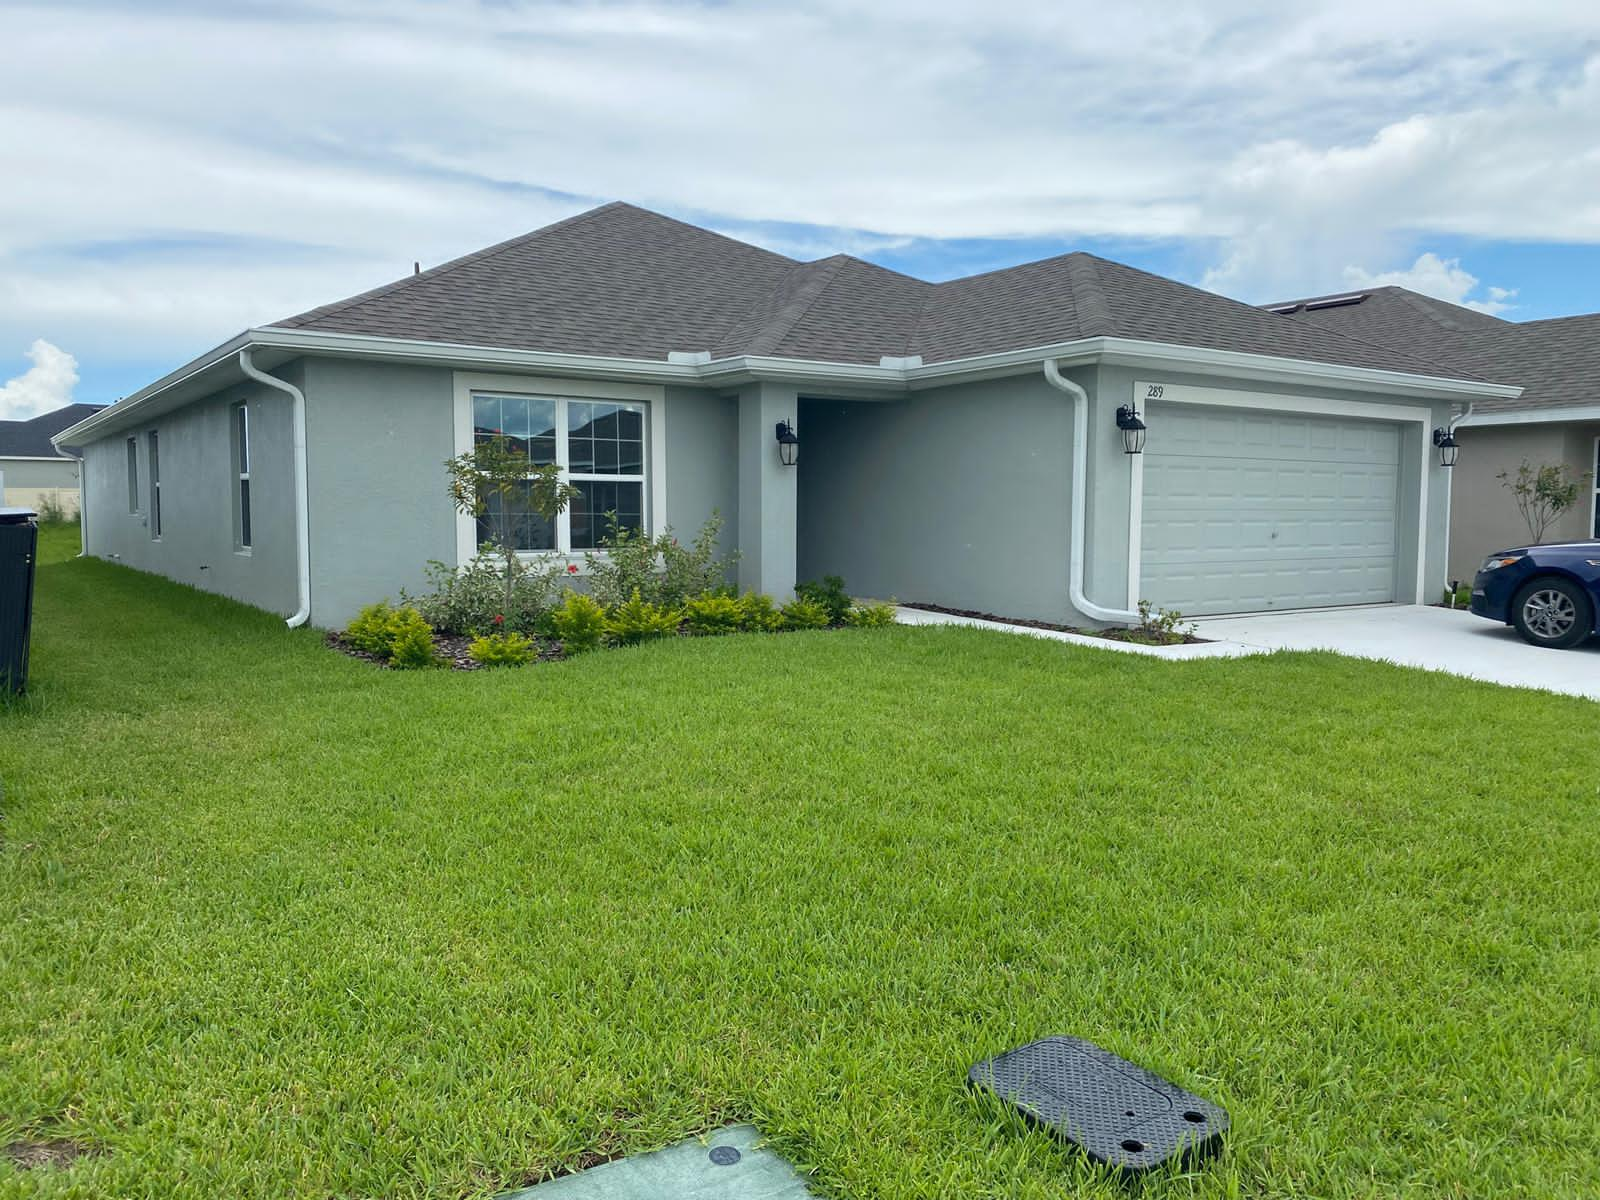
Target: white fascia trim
x=1235 y=363
x=1534 y=416
x=37 y=458
x=744 y=368
x=112 y=414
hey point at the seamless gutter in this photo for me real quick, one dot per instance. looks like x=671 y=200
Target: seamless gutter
x=746 y=368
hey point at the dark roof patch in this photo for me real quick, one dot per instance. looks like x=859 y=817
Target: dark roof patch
x=31 y=438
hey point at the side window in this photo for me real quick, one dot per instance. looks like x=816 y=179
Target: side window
x=241 y=468
x=133 y=475
x=155 y=486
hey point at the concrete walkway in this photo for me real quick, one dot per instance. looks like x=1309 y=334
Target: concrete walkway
x=1210 y=649
x=1439 y=639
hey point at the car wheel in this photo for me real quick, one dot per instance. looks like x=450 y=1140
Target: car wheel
x=1552 y=612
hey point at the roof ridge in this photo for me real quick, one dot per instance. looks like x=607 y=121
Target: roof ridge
x=521 y=239
x=1093 y=307
x=1420 y=303
x=820 y=274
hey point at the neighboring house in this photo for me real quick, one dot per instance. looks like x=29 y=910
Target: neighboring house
x=34 y=473
x=959 y=442
x=1555 y=420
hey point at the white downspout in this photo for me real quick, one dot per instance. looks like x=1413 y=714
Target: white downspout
x=1080 y=503
x=302 y=520
x=1450 y=495
x=83 y=506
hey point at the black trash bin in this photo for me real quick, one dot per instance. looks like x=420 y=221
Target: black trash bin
x=19 y=547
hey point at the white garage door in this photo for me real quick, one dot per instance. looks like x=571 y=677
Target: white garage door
x=1246 y=511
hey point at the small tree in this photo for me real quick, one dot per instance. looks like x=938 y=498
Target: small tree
x=1542 y=494
x=496 y=480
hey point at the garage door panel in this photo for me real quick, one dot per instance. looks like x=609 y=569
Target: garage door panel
x=1246 y=511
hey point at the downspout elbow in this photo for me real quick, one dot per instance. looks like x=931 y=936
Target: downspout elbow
x=1080 y=502
x=302 y=522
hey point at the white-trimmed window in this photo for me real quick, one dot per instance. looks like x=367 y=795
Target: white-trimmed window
x=133 y=475
x=153 y=448
x=241 y=467
x=598 y=443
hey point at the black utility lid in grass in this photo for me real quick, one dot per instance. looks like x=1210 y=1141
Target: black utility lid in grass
x=1116 y=1111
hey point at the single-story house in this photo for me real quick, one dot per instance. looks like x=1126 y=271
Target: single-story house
x=36 y=473
x=1556 y=420
x=961 y=443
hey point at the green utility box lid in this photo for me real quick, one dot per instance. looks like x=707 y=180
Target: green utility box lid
x=729 y=1164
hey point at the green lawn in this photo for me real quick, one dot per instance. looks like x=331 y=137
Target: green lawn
x=276 y=923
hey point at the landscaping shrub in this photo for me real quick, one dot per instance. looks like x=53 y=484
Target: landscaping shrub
x=503 y=650
x=1160 y=626
x=870 y=616
x=662 y=570
x=714 y=612
x=412 y=644
x=829 y=593
x=638 y=620
x=373 y=630
x=580 y=623
x=757 y=614
x=804 y=614
x=468 y=600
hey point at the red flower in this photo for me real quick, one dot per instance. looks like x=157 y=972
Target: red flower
x=572 y=568
x=499 y=619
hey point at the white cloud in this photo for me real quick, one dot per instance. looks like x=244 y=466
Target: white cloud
x=314 y=151
x=43 y=387
x=1443 y=278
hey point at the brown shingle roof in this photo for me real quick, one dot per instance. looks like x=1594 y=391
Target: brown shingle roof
x=622 y=281
x=1556 y=362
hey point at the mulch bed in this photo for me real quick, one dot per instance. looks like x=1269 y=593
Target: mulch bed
x=1111 y=635
x=451 y=647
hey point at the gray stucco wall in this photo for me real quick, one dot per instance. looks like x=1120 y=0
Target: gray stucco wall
x=378 y=436
x=954 y=496
x=961 y=496
x=703 y=463
x=198 y=478
x=1484 y=516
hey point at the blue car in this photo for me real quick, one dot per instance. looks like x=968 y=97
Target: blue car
x=1551 y=594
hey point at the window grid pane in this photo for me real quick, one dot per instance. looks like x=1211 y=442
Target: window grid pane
x=603 y=444
x=601 y=506
x=527 y=529
x=527 y=423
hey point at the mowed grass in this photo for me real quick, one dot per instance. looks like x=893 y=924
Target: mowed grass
x=274 y=923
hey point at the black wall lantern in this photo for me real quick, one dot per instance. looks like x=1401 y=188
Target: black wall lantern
x=788 y=444
x=1448 y=450
x=1133 y=429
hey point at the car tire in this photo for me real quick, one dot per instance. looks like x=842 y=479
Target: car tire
x=1552 y=612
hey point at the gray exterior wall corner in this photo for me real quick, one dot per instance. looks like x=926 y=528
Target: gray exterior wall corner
x=198 y=482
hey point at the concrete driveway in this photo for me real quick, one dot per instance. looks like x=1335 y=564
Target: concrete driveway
x=1439 y=639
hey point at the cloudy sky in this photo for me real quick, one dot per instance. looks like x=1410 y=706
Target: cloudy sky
x=177 y=170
